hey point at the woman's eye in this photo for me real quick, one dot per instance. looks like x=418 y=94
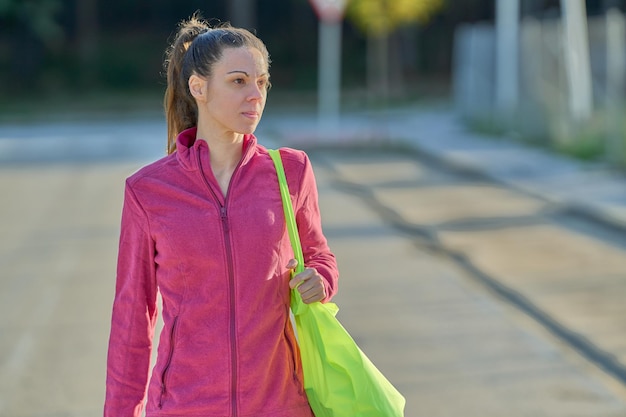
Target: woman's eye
x=240 y=81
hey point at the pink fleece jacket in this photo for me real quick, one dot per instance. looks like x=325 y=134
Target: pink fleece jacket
x=227 y=347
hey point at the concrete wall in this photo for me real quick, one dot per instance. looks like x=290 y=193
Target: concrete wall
x=542 y=111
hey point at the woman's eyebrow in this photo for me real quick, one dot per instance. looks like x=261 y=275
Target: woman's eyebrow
x=265 y=74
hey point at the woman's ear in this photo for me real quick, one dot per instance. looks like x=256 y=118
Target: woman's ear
x=197 y=87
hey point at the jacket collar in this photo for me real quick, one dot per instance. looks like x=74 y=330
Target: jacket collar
x=188 y=149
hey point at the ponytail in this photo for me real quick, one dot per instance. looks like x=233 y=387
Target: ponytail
x=206 y=45
x=181 y=111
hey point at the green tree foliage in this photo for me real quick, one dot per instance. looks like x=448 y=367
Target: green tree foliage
x=49 y=45
x=381 y=17
x=378 y=19
x=37 y=17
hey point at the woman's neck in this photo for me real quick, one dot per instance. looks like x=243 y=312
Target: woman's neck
x=226 y=147
x=225 y=151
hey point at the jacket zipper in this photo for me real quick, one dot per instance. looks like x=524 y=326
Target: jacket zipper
x=168 y=363
x=233 y=326
x=231 y=279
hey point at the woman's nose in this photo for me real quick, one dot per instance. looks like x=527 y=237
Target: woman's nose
x=257 y=92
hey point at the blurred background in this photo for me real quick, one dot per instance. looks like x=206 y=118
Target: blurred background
x=53 y=48
x=470 y=158
x=565 y=93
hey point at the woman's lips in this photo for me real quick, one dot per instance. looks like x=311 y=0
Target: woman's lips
x=251 y=114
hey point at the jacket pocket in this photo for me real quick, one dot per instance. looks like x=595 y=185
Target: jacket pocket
x=168 y=362
x=294 y=352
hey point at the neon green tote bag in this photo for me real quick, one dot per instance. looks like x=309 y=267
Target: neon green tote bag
x=340 y=381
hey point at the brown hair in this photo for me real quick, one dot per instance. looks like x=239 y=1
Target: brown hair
x=196 y=48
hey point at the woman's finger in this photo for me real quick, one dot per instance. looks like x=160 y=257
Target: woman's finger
x=292 y=264
x=303 y=276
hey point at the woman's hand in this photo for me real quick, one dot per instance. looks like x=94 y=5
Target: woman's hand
x=309 y=283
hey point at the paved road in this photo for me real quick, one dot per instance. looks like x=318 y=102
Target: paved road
x=441 y=275
x=498 y=302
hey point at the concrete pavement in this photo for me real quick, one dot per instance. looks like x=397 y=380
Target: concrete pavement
x=452 y=344
x=591 y=189
x=509 y=269
x=542 y=231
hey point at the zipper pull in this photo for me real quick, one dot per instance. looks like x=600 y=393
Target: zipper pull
x=224 y=216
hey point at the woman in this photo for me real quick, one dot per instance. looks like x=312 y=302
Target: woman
x=204 y=226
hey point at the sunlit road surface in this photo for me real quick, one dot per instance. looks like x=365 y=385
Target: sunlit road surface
x=469 y=297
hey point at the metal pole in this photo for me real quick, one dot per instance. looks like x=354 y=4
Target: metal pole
x=507 y=55
x=615 y=83
x=329 y=75
x=578 y=66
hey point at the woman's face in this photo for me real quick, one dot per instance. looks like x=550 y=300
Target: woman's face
x=236 y=92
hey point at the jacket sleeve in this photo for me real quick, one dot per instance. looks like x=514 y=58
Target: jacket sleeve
x=134 y=314
x=316 y=251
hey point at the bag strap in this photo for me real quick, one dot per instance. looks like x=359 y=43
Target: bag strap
x=290 y=217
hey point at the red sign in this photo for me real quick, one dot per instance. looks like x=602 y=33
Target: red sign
x=329 y=10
